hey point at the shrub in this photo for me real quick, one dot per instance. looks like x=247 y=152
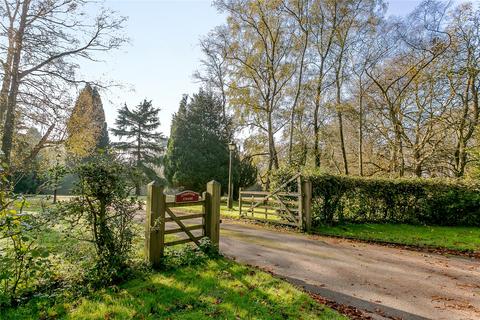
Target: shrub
x=105 y=210
x=24 y=264
x=382 y=200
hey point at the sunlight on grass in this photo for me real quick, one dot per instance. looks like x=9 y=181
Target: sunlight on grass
x=219 y=289
x=457 y=238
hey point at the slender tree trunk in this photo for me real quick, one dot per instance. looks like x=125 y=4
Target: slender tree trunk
x=360 y=132
x=340 y=118
x=295 y=101
x=342 y=141
x=418 y=165
x=139 y=159
x=9 y=127
x=7 y=72
x=398 y=161
x=316 y=126
x=272 y=152
x=468 y=125
x=5 y=85
x=271 y=144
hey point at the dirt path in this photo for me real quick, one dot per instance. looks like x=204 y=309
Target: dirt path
x=389 y=281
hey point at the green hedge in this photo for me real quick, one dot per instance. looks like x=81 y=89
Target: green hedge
x=381 y=200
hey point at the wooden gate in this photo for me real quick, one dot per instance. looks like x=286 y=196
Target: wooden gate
x=162 y=221
x=281 y=206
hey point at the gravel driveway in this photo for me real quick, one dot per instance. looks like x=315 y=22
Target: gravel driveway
x=386 y=281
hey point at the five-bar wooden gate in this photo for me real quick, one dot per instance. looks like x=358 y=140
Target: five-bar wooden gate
x=159 y=214
x=282 y=206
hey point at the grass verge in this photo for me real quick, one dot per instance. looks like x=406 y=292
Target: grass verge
x=217 y=289
x=452 y=238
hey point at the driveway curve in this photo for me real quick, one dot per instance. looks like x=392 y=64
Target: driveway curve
x=388 y=282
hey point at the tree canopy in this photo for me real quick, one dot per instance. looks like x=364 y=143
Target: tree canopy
x=140 y=140
x=86 y=127
x=197 y=150
x=339 y=86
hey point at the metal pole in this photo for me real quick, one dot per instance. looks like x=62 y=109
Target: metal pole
x=230 y=195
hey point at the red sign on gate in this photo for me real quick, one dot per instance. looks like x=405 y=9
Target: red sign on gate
x=187 y=196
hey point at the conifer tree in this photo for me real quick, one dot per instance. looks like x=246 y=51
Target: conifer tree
x=86 y=127
x=197 y=150
x=139 y=138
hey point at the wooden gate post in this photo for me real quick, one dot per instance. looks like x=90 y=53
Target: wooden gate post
x=155 y=224
x=240 y=202
x=212 y=212
x=306 y=194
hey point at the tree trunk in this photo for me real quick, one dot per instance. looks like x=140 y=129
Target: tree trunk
x=360 y=133
x=138 y=160
x=7 y=75
x=460 y=155
x=295 y=101
x=271 y=145
x=316 y=126
x=418 y=164
x=342 y=141
x=398 y=161
x=340 y=118
x=9 y=127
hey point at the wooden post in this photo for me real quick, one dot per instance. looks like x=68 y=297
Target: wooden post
x=240 y=201
x=212 y=216
x=307 y=205
x=155 y=224
x=251 y=205
x=300 y=202
x=206 y=210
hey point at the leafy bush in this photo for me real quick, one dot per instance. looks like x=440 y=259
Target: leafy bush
x=105 y=210
x=414 y=201
x=24 y=264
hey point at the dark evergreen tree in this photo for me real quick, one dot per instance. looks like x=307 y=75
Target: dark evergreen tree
x=139 y=139
x=197 y=150
x=247 y=173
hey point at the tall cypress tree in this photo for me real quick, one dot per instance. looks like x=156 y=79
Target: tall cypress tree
x=86 y=127
x=197 y=150
x=139 y=139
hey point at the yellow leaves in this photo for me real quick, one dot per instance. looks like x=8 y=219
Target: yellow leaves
x=85 y=124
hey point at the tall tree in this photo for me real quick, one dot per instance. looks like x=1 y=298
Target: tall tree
x=463 y=70
x=42 y=42
x=213 y=74
x=262 y=63
x=139 y=138
x=403 y=53
x=197 y=150
x=86 y=127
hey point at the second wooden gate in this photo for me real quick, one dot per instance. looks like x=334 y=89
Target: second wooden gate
x=282 y=206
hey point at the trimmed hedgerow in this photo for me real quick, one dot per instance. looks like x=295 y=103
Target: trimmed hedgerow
x=383 y=200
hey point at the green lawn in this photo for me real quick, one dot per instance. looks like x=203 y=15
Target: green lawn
x=219 y=289
x=456 y=238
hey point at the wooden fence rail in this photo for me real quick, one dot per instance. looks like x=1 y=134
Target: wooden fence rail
x=159 y=213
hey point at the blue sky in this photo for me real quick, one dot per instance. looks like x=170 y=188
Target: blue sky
x=163 y=53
